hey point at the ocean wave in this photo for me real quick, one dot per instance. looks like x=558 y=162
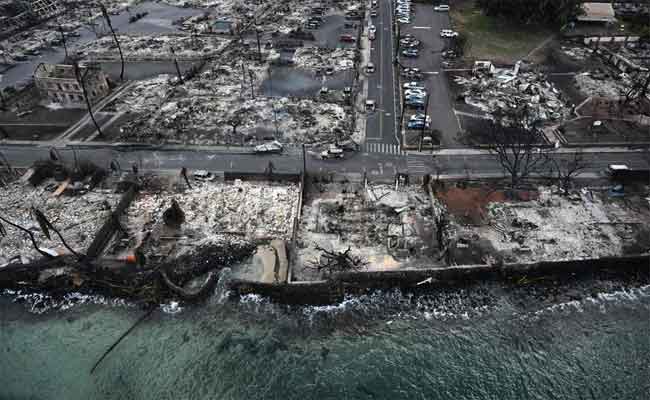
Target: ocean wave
x=40 y=303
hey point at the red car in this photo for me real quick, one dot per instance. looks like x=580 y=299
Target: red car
x=347 y=38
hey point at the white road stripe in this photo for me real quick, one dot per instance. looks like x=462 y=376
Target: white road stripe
x=421 y=27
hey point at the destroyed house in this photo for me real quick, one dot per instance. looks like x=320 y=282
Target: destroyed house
x=58 y=83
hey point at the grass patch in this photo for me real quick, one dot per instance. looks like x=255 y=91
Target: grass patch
x=496 y=39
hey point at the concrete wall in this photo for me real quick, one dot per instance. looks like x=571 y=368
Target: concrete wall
x=321 y=292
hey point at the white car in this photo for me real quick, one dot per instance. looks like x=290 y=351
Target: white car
x=415 y=92
x=404 y=20
x=413 y=85
x=448 y=33
x=441 y=8
x=372 y=29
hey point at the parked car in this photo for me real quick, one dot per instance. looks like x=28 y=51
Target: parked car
x=448 y=33
x=413 y=73
x=410 y=52
x=370 y=105
x=347 y=38
x=404 y=20
x=420 y=117
x=371 y=35
x=271 y=147
x=441 y=8
x=448 y=54
x=372 y=29
x=418 y=124
x=409 y=42
x=415 y=92
x=373 y=13
x=413 y=85
x=370 y=68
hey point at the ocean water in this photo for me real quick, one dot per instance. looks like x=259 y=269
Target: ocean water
x=474 y=343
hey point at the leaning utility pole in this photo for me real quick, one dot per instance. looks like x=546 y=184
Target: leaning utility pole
x=81 y=79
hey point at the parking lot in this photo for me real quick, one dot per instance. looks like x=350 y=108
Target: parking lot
x=425 y=25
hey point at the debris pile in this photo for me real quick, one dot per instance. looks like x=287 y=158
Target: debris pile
x=505 y=88
x=599 y=83
x=159 y=47
x=247 y=209
x=587 y=224
x=224 y=106
x=339 y=59
x=386 y=226
x=77 y=217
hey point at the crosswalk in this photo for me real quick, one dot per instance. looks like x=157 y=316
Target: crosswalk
x=385 y=148
x=417 y=166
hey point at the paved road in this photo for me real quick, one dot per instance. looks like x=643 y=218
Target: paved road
x=380 y=127
x=426 y=27
x=451 y=163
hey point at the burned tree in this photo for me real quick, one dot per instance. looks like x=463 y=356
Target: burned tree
x=178 y=69
x=337 y=261
x=515 y=140
x=566 y=169
x=46 y=226
x=174 y=216
x=107 y=18
x=32 y=238
x=81 y=79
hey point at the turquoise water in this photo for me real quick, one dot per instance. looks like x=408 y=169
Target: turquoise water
x=479 y=343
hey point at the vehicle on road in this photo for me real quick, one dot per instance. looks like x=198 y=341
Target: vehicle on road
x=403 y=20
x=370 y=105
x=448 y=33
x=347 y=38
x=372 y=29
x=373 y=13
x=269 y=148
x=441 y=8
x=410 y=52
x=371 y=35
x=370 y=68
x=332 y=152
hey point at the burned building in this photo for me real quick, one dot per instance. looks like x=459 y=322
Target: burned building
x=43 y=9
x=58 y=83
x=14 y=15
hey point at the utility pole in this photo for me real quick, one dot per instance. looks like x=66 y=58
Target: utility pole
x=304 y=161
x=65 y=46
x=251 y=74
x=259 y=46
